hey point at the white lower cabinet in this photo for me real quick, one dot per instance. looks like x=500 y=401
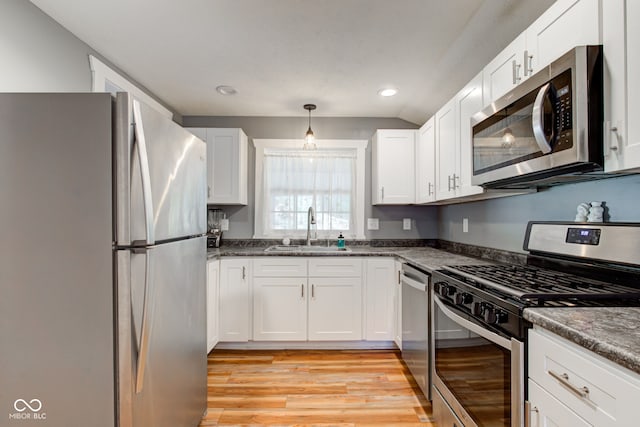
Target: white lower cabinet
x=572 y=386
x=279 y=309
x=299 y=299
x=549 y=411
x=397 y=302
x=234 y=300
x=335 y=309
x=213 y=293
x=381 y=289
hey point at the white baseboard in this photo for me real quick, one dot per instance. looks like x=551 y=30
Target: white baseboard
x=307 y=345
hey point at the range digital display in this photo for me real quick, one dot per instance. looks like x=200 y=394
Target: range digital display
x=583 y=236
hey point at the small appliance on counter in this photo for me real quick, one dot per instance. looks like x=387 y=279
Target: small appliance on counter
x=214 y=227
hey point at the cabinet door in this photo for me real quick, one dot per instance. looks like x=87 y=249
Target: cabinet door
x=468 y=103
x=398 y=307
x=505 y=71
x=380 y=289
x=202 y=134
x=425 y=162
x=547 y=411
x=213 y=289
x=566 y=24
x=279 y=309
x=335 y=308
x=229 y=148
x=393 y=167
x=446 y=146
x=234 y=300
x=621 y=38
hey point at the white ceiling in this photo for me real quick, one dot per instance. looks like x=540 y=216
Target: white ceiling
x=281 y=54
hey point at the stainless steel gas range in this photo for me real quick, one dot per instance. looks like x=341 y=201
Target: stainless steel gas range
x=480 y=335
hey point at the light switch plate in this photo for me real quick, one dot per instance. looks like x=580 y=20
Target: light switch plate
x=373 y=224
x=406 y=223
x=224 y=224
x=465 y=225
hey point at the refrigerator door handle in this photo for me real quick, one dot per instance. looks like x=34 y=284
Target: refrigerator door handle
x=147 y=321
x=141 y=147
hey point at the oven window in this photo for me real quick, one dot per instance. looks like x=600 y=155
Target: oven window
x=475 y=370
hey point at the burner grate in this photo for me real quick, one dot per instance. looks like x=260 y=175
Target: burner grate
x=532 y=283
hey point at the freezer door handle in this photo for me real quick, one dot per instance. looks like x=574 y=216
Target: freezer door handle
x=141 y=147
x=147 y=321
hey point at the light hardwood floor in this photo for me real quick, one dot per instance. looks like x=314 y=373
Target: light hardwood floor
x=319 y=388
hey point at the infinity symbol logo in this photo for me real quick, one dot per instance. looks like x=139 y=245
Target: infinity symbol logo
x=21 y=405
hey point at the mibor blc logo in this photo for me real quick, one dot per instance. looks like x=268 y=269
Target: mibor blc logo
x=27 y=410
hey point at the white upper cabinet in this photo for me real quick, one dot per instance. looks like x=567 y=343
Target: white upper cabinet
x=566 y=24
x=425 y=163
x=621 y=40
x=393 y=161
x=446 y=150
x=468 y=102
x=505 y=71
x=227 y=158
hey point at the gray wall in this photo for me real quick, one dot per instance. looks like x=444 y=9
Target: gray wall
x=501 y=223
x=241 y=219
x=39 y=55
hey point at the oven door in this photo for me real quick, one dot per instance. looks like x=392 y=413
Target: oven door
x=479 y=373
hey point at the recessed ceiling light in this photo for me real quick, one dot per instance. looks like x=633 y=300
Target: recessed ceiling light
x=387 y=92
x=226 y=90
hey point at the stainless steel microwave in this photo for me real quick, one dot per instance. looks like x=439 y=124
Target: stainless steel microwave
x=546 y=131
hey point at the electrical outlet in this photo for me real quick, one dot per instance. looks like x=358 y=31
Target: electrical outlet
x=224 y=224
x=373 y=224
x=406 y=223
x=465 y=225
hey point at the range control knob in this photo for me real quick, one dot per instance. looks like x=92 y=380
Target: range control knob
x=463 y=298
x=446 y=290
x=437 y=286
x=478 y=308
x=493 y=316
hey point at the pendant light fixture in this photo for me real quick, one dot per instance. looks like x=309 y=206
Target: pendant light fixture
x=309 y=137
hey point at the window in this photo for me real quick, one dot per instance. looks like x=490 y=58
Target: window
x=289 y=180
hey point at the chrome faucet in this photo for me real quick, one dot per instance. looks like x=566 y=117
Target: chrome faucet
x=311 y=219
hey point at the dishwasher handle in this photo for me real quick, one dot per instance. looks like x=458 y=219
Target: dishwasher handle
x=414 y=283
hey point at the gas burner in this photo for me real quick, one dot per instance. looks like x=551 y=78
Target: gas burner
x=529 y=283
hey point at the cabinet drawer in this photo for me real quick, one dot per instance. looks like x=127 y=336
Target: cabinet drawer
x=280 y=267
x=546 y=410
x=335 y=267
x=596 y=389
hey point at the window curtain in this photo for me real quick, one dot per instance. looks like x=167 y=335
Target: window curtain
x=296 y=180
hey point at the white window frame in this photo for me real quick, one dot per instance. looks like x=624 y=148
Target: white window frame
x=102 y=74
x=334 y=144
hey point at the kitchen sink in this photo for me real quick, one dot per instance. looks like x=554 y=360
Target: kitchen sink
x=306 y=249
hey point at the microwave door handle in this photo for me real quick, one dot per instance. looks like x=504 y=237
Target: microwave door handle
x=537 y=119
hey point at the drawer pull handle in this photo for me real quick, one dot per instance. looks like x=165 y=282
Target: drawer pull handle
x=582 y=392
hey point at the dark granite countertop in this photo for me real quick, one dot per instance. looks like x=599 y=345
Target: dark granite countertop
x=424 y=256
x=611 y=332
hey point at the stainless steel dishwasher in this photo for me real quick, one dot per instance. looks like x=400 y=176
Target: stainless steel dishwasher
x=415 y=325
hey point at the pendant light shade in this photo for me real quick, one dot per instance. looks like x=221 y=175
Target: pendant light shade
x=309 y=137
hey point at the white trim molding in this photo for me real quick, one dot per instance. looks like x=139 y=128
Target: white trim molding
x=329 y=144
x=106 y=79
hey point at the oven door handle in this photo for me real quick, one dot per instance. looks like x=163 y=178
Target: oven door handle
x=494 y=338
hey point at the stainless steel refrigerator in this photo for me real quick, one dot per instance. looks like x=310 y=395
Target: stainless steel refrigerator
x=102 y=264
